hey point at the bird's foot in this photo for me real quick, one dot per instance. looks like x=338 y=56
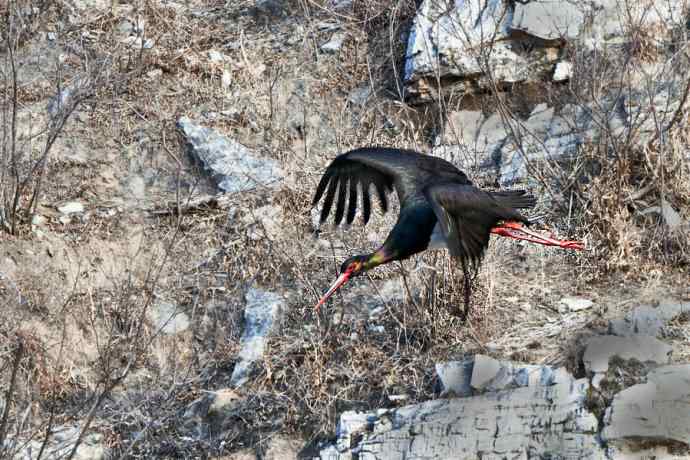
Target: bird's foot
x=519 y=232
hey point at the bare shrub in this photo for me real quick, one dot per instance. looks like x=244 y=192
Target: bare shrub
x=28 y=137
x=632 y=183
x=40 y=388
x=21 y=167
x=627 y=178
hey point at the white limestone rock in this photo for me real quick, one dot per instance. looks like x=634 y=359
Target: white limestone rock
x=484 y=146
x=528 y=411
x=545 y=136
x=335 y=43
x=216 y=56
x=71 y=207
x=647 y=319
x=455 y=377
x=486 y=369
x=482 y=373
x=439 y=32
x=461 y=42
x=531 y=421
x=233 y=166
x=448 y=41
x=168 y=318
x=549 y=20
x=472 y=141
x=656 y=411
x=576 y=303
x=260 y=316
x=600 y=349
x=670 y=215
x=609 y=26
x=563 y=71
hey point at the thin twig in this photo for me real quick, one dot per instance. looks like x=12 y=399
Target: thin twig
x=18 y=354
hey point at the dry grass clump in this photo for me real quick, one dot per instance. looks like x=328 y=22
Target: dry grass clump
x=630 y=207
x=633 y=189
x=628 y=188
x=340 y=363
x=36 y=375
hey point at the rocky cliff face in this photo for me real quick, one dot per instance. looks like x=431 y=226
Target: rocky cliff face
x=157 y=295
x=502 y=409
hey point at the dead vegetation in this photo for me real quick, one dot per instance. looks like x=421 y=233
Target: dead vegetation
x=626 y=190
x=289 y=101
x=631 y=186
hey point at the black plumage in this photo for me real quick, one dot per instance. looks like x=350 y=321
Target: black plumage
x=432 y=193
x=429 y=189
x=438 y=203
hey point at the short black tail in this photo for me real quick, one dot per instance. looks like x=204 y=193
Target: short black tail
x=514 y=199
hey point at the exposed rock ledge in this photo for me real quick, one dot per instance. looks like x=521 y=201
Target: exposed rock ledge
x=633 y=403
x=546 y=417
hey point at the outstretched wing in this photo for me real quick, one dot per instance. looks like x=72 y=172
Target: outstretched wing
x=467 y=214
x=385 y=169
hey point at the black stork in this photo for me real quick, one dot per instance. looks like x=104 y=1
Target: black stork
x=439 y=206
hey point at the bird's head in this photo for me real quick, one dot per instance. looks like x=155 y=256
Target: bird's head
x=354 y=266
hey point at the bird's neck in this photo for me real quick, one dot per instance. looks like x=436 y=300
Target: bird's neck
x=379 y=257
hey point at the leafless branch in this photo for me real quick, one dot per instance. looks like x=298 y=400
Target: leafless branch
x=18 y=355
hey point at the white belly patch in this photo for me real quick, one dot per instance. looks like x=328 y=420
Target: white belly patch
x=437 y=240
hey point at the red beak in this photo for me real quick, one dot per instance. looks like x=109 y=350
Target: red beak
x=519 y=232
x=342 y=279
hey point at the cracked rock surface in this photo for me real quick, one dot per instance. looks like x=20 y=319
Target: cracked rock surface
x=233 y=167
x=538 y=420
x=631 y=403
x=260 y=315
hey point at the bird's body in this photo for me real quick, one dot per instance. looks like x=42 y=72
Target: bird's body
x=439 y=206
x=413 y=231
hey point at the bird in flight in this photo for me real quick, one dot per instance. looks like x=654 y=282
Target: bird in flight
x=439 y=207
